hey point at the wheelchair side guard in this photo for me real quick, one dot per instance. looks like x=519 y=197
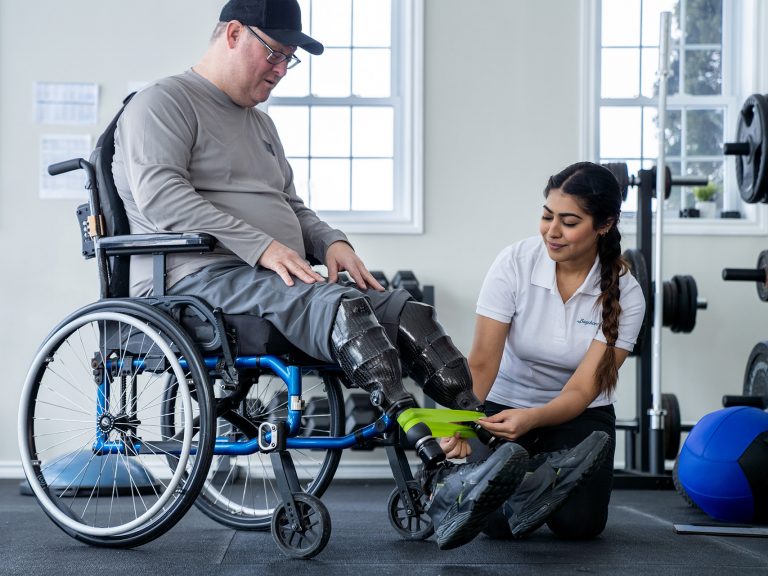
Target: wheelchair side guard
x=441 y=422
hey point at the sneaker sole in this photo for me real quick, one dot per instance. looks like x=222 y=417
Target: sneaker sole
x=492 y=493
x=552 y=504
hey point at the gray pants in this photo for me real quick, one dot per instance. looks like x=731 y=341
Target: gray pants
x=303 y=313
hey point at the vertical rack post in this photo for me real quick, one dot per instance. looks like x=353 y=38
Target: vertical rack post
x=656 y=412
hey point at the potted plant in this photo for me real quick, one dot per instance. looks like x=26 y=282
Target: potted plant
x=705 y=199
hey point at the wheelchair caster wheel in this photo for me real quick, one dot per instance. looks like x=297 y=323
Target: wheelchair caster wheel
x=414 y=526
x=309 y=539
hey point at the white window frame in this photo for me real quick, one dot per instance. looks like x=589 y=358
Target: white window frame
x=407 y=100
x=750 y=17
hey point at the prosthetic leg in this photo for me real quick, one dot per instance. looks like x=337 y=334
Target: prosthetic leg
x=434 y=363
x=460 y=496
x=371 y=362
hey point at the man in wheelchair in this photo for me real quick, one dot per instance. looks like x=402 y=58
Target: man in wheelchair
x=193 y=154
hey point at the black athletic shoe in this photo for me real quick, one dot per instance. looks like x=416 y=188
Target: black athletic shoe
x=462 y=495
x=546 y=489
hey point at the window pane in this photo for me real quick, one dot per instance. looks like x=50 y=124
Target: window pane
x=712 y=170
x=620 y=24
x=329 y=188
x=704 y=136
x=293 y=126
x=620 y=74
x=306 y=12
x=673 y=80
x=330 y=131
x=372 y=23
x=296 y=82
x=372 y=131
x=704 y=22
x=331 y=73
x=372 y=185
x=371 y=76
x=620 y=132
x=703 y=72
x=652 y=10
x=300 y=168
x=649 y=69
x=672 y=132
x=331 y=22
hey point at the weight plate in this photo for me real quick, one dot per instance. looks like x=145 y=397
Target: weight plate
x=756 y=374
x=621 y=172
x=762 y=264
x=668 y=311
x=636 y=263
x=681 y=306
x=674 y=300
x=667 y=182
x=672 y=425
x=689 y=320
x=751 y=168
x=683 y=315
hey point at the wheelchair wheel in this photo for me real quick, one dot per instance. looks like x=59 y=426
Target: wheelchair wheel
x=90 y=434
x=312 y=537
x=241 y=491
x=416 y=526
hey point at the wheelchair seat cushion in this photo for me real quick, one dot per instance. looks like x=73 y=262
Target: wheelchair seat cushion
x=252 y=336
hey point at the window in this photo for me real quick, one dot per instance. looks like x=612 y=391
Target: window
x=349 y=119
x=703 y=99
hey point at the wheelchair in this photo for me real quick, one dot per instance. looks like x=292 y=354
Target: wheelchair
x=134 y=409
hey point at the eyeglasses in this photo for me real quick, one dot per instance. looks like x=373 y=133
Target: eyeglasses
x=274 y=57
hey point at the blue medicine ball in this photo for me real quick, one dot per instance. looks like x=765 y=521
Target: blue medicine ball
x=723 y=465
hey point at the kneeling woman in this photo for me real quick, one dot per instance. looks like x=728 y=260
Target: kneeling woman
x=556 y=317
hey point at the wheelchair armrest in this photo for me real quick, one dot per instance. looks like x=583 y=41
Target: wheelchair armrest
x=156 y=243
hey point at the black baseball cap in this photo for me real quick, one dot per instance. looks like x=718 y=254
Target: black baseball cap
x=279 y=19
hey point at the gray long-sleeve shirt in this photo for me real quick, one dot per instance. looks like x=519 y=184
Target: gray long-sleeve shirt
x=188 y=159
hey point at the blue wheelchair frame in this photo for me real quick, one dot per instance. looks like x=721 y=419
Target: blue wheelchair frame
x=291 y=375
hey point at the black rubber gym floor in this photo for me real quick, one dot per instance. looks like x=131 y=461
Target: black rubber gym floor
x=639 y=540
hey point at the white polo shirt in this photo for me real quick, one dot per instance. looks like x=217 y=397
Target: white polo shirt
x=548 y=338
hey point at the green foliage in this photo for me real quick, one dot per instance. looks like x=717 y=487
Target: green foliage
x=706 y=193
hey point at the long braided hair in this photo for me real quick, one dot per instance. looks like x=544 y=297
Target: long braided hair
x=597 y=192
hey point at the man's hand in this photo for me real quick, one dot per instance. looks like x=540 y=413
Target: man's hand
x=287 y=262
x=340 y=256
x=455 y=446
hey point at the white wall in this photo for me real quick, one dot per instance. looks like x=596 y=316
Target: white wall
x=494 y=130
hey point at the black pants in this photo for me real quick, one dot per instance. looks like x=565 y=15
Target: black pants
x=585 y=513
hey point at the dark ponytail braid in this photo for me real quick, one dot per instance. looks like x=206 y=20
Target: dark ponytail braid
x=612 y=266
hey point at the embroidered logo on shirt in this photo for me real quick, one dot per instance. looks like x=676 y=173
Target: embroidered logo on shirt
x=269 y=147
x=587 y=322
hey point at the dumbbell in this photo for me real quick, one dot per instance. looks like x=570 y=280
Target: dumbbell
x=406 y=280
x=381 y=278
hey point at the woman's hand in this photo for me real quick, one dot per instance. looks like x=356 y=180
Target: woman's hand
x=510 y=424
x=455 y=446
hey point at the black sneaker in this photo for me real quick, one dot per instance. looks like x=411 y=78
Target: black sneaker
x=462 y=495
x=546 y=489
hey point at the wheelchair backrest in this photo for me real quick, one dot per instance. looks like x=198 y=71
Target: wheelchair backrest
x=112 y=209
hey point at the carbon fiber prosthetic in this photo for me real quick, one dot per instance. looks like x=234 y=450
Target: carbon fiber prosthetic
x=432 y=360
x=366 y=355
